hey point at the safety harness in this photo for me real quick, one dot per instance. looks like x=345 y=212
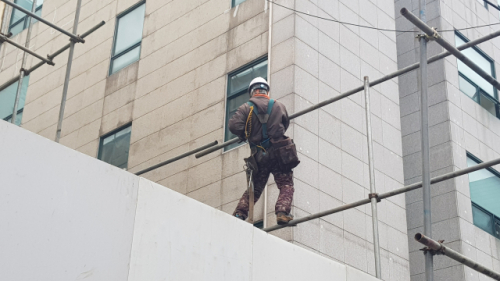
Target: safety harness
x=263 y=118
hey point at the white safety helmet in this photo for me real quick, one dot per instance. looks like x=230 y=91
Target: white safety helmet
x=258 y=83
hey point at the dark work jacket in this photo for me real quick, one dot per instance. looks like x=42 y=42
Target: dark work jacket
x=276 y=125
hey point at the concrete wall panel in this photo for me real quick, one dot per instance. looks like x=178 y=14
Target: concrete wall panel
x=63 y=215
x=67 y=216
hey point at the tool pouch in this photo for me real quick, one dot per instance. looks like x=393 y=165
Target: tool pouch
x=285 y=153
x=251 y=162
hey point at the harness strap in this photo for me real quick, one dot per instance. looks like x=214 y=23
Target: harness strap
x=264 y=125
x=263 y=118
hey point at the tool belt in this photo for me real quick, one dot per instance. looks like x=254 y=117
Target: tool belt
x=285 y=154
x=283 y=151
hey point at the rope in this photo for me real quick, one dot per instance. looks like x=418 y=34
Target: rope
x=248 y=125
x=248 y=128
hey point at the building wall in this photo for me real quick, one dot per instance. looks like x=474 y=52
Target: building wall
x=175 y=98
x=457 y=124
x=330 y=59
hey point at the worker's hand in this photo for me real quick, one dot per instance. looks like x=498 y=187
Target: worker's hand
x=242 y=139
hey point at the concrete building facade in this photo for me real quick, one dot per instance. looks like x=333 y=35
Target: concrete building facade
x=176 y=98
x=462 y=128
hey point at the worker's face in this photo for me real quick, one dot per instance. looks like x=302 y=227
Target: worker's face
x=259 y=91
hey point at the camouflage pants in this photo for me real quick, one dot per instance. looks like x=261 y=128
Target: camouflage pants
x=284 y=181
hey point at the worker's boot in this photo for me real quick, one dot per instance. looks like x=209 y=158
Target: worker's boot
x=240 y=216
x=283 y=218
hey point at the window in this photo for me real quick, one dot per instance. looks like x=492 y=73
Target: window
x=114 y=147
x=237 y=87
x=19 y=20
x=128 y=38
x=472 y=84
x=237 y=2
x=259 y=224
x=8 y=98
x=485 y=194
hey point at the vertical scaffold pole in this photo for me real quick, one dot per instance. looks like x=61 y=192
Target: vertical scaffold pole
x=426 y=182
x=23 y=65
x=68 y=71
x=251 y=197
x=269 y=49
x=373 y=197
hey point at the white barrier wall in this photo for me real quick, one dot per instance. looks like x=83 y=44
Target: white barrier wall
x=63 y=215
x=67 y=216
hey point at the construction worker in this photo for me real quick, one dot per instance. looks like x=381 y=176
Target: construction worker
x=263 y=123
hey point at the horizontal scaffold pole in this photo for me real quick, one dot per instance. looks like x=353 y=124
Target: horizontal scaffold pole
x=177 y=158
x=439 y=248
x=51 y=57
x=360 y=88
x=433 y=35
x=387 y=194
x=493 y=5
x=4 y=38
x=76 y=38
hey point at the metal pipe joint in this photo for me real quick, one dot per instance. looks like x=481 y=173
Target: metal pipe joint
x=374 y=195
x=436 y=247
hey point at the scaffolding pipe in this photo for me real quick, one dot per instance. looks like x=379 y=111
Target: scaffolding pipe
x=68 y=71
x=387 y=194
x=269 y=59
x=492 y=4
x=72 y=36
x=424 y=144
x=450 y=48
x=4 y=38
x=6 y=16
x=176 y=158
x=23 y=65
x=251 y=195
x=372 y=84
x=51 y=57
x=439 y=248
x=371 y=165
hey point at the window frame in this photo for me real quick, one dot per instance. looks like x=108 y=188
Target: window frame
x=495 y=219
x=230 y=96
x=481 y=93
x=25 y=19
x=259 y=224
x=110 y=133
x=124 y=52
x=19 y=110
x=233 y=3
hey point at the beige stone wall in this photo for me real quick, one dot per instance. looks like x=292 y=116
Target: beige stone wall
x=329 y=59
x=174 y=96
x=2 y=10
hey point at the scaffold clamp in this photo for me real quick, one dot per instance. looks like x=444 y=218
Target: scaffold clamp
x=434 y=36
x=433 y=252
x=374 y=195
